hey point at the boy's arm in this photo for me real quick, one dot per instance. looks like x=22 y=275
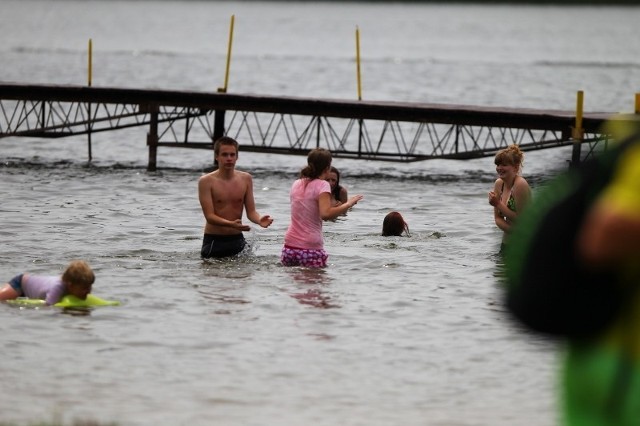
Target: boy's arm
x=250 y=205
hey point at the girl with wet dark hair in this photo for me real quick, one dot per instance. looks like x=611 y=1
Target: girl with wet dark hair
x=338 y=192
x=394 y=225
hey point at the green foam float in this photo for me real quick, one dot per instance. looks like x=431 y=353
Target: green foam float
x=70 y=301
x=67 y=301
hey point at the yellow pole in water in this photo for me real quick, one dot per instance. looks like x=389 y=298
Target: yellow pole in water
x=90 y=63
x=577 y=130
x=226 y=73
x=358 y=63
x=359 y=78
x=89 y=81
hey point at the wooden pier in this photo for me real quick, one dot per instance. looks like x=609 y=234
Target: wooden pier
x=384 y=131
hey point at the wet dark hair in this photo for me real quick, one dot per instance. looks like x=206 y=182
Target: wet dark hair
x=317 y=162
x=224 y=140
x=336 y=191
x=394 y=224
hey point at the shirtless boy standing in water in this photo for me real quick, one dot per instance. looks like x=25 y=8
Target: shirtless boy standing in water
x=223 y=194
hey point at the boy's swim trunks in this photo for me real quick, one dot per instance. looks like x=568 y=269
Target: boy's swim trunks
x=222 y=245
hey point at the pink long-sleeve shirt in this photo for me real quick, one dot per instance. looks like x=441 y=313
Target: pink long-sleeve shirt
x=305 y=230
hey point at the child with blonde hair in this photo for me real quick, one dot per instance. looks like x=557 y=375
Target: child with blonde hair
x=76 y=280
x=511 y=192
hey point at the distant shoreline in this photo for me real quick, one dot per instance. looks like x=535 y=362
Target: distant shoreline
x=509 y=2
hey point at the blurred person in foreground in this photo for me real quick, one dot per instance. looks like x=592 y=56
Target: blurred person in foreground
x=601 y=376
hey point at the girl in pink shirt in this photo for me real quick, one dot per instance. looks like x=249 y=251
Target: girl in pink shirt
x=310 y=198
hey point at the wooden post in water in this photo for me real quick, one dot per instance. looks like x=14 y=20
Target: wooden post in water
x=577 y=133
x=218 y=132
x=637 y=108
x=89 y=81
x=318 y=130
x=218 y=126
x=152 y=136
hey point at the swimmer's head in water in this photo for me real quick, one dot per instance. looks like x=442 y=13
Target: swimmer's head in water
x=78 y=278
x=394 y=224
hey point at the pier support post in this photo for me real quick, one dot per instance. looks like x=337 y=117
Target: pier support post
x=218 y=122
x=218 y=132
x=152 y=137
x=218 y=125
x=575 y=153
x=89 y=127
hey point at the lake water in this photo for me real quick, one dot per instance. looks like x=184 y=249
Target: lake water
x=395 y=331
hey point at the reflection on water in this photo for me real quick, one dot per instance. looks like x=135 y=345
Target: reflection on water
x=235 y=267
x=309 y=276
x=77 y=311
x=312 y=283
x=316 y=298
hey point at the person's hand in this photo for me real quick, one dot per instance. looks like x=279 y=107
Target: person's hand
x=494 y=200
x=237 y=224
x=265 y=221
x=354 y=200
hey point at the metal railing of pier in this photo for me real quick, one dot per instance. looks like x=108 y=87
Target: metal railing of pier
x=384 y=131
